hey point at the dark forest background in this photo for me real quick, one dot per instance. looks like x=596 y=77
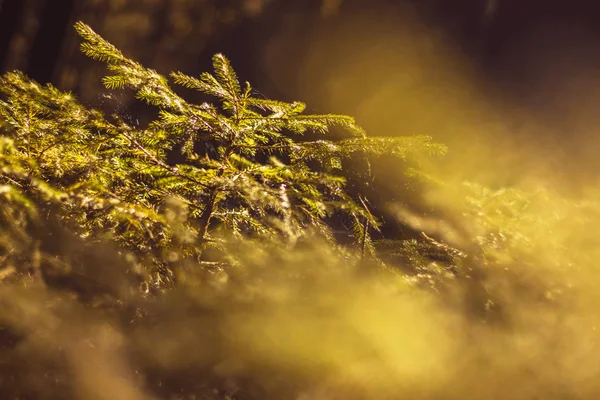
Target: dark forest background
x=533 y=57
x=36 y=35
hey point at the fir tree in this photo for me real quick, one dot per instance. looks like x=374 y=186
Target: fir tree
x=246 y=168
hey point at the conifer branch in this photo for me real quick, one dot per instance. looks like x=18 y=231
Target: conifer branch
x=106 y=176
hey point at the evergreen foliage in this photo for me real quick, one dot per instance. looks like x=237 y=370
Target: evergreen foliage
x=245 y=168
x=239 y=230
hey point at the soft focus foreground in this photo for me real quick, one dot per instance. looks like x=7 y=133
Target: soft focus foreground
x=304 y=324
